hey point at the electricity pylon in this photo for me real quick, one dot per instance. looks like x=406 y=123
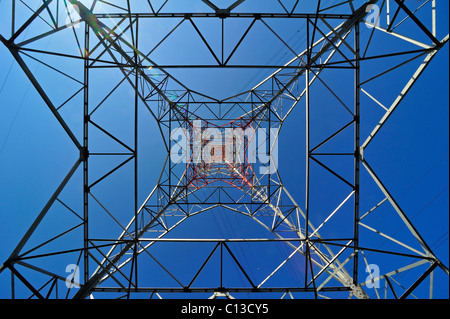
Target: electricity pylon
x=227 y=160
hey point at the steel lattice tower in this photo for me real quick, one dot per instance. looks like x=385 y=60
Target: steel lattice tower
x=100 y=47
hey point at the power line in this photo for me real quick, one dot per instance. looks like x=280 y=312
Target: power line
x=23 y=98
x=7 y=76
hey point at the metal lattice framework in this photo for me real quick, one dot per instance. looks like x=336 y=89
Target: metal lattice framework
x=111 y=45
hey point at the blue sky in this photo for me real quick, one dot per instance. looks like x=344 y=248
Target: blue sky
x=410 y=154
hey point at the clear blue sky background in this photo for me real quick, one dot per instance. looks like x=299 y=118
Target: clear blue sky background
x=410 y=154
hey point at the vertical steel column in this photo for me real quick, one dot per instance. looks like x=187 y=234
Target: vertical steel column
x=13 y=285
x=308 y=150
x=357 y=151
x=136 y=126
x=433 y=18
x=13 y=17
x=86 y=150
x=169 y=142
x=134 y=39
